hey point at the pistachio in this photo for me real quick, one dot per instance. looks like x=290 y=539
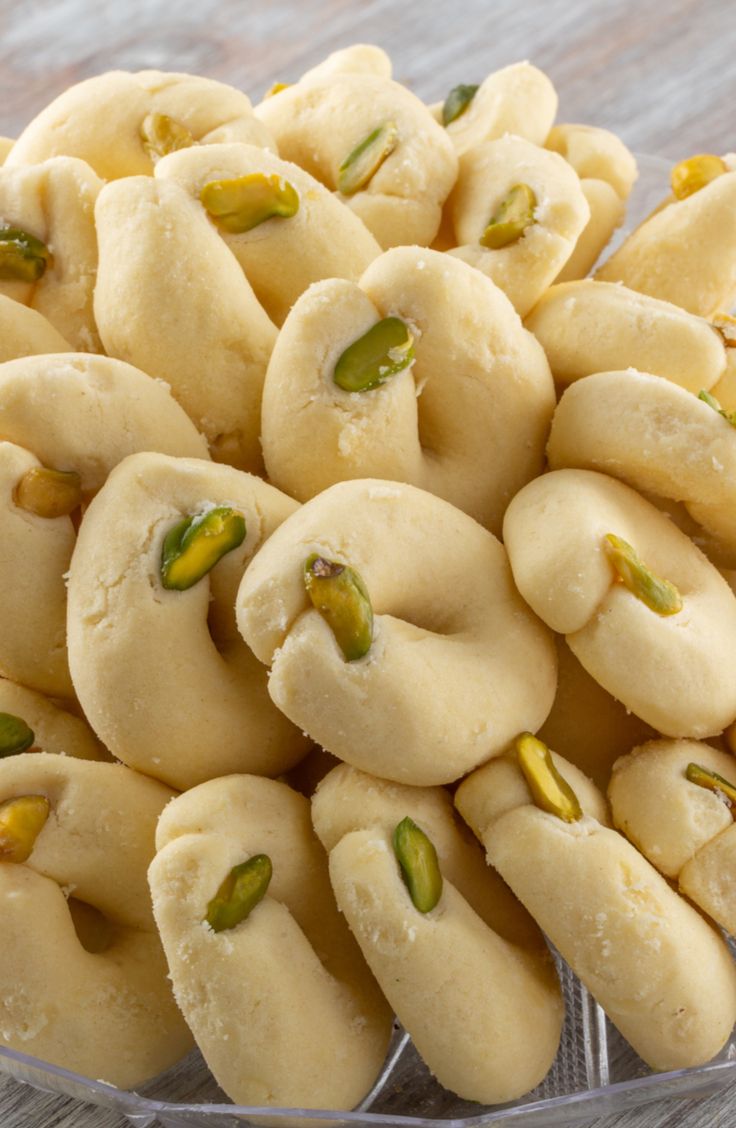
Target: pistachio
x=341 y=597
x=549 y=790
x=387 y=348
x=21 y=822
x=725 y=325
x=15 y=735
x=49 y=493
x=240 y=892
x=242 y=203
x=690 y=175
x=511 y=218
x=364 y=161
x=658 y=594
x=162 y=134
x=420 y=868
x=457 y=102
x=193 y=547
x=23 y=258
x=704 y=777
x=276 y=89
x=94 y=931
x=706 y=397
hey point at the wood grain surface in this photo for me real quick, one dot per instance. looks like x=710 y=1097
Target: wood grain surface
x=661 y=75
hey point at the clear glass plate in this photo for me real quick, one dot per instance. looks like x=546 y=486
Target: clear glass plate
x=595 y=1072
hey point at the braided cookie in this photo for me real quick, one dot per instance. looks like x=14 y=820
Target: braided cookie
x=484 y=1013
x=196 y=324
x=587 y=327
x=643 y=610
x=663 y=976
x=685 y=252
x=518 y=99
x=373 y=142
x=465 y=417
x=285 y=229
x=448 y=622
x=30 y=722
x=65 y=421
x=659 y=439
x=307 y=1026
x=674 y=800
x=25 y=332
x=157 y=663
x=48 y=246
x=83 y=977
x=121 y=123
x=518 y=212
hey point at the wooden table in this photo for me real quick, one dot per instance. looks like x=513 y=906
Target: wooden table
x=662 y=76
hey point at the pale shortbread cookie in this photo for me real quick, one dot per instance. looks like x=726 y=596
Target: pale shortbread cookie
x=358 y=58
x=592 y=728
x=171 y=299
x=629 y=937
x=607 y=211
x=162 y=675
x=595 y=154
x=685 y=252
x=484 y=1014
x=658 y=438
x=685 y=830
x=319 y=123
x=282 y=256
x=67 y=411
x=725 y=389
x=517 y=99
x=83 y=981
x=677 y=672
x=6 y=144
x=55 y=203
x=469 y=419
x=282 y=1005
x=54 y=729
x=101 y=120
x=25 y=332
x=587 y=327
x=525 y=268
x=448 y=622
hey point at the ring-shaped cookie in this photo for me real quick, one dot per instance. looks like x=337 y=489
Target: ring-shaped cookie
x=448 y=622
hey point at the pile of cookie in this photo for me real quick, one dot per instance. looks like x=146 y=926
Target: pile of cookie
x=340 y=506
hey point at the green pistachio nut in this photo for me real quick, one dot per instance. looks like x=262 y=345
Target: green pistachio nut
x=420 y=868
x=243 y=203
x=21 y=821
x=690 y=175
x=15 y=735
x=362 y=164
x=193 y=547
x=49 y=493
x=276 y=88
x=712 y=781
x=162 y=134
x=23 y=258
x=457 y=102
x=658 y=594
x=511 y=218
x=386 y=349
x=706 y=397
x=341 y=597
x=549 y=790
x=240 y=892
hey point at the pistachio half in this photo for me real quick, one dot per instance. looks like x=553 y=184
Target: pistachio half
x=341 y=597
x=193 y=547
x=549 y=790
x=704 y=777
x=361 y=165
x=240 y=892
x=244 y=202
x=457 y=102
x=706 y=397
x=49 y=493
x=511 y=218
x=420 y=867
x=690 y=175
x=658 y=594
x=21 y=822
x=15 y=735
x=162 y=134
x=276 y=88
x=23 y=257
x=386 y=349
